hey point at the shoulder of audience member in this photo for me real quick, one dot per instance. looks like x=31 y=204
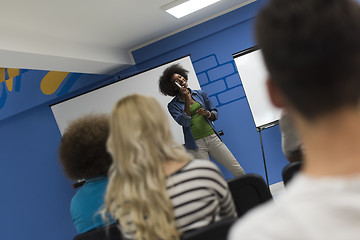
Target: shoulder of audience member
x=268 y=221
x=206 y=164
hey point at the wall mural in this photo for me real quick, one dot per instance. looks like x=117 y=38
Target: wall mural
x=7 y=76
x=21 y=89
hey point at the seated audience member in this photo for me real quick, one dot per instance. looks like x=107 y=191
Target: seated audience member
x=290 y=140
x=156 y=190
x=83 y=155
x=312 y=52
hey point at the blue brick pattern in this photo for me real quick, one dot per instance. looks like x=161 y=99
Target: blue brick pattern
x=233 y=80
x=202 y=78
x=221 y=70
x=220 y=80
x=205 y=63
x=218 y=85
x=231 y=95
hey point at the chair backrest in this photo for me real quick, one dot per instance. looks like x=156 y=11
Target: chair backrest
x=290 y=170
x=248 y=191
x=101 y=234
x=215 y=231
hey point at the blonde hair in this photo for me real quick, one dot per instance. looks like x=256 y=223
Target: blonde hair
x=140 y=142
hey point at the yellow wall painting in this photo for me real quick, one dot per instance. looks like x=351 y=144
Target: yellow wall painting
x=2 y=74
x=51 y=82
x=12 y=72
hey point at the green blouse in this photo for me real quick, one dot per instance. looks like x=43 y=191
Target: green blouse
x=200 y=127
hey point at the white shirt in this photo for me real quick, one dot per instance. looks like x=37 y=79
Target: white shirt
x=326 y=209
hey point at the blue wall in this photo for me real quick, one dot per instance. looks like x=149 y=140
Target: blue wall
x=36 y=194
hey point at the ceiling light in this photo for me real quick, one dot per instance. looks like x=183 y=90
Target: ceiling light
x=181 y=8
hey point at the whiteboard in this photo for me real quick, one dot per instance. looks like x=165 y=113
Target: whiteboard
x=253 y=75
x=102 y=100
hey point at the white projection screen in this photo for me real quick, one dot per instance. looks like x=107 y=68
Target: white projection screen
x=102 y=100
x=253 y=74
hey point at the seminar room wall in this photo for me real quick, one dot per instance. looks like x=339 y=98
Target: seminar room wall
x=36 y=194
x=211 y=45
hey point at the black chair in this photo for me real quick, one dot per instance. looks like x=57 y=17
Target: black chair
x=248 y=191
x=215 y=231
x=290 y=170
x=101 y=234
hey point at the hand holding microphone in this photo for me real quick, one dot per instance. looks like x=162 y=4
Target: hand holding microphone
x=184 y=92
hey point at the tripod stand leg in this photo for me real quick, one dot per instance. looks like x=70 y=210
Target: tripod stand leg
x=263 y=154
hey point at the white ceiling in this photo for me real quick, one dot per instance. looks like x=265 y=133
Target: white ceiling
x=89 y=36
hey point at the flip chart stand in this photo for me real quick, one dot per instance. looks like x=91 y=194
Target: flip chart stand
x=259 y=129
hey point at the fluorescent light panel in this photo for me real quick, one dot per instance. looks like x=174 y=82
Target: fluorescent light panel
x=188 y=7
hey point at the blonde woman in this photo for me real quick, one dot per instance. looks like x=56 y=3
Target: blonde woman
x=156 y=190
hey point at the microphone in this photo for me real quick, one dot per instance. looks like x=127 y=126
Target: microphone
x=177 y=84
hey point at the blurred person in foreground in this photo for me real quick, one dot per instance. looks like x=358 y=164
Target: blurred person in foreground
x=312 y=52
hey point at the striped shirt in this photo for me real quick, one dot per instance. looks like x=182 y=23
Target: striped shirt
x=200 y=195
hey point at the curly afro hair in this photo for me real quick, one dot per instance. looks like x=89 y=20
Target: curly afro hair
x=165 y=85
x=82 y=150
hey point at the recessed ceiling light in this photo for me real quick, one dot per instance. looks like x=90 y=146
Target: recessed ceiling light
x=181 y=8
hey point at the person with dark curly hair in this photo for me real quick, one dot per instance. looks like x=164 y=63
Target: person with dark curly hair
x=83 y=155
x=193 y=110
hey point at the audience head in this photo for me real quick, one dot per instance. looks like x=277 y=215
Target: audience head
x=82 y=149
x=312 y=52
x=140 y=143
x=166 y=85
